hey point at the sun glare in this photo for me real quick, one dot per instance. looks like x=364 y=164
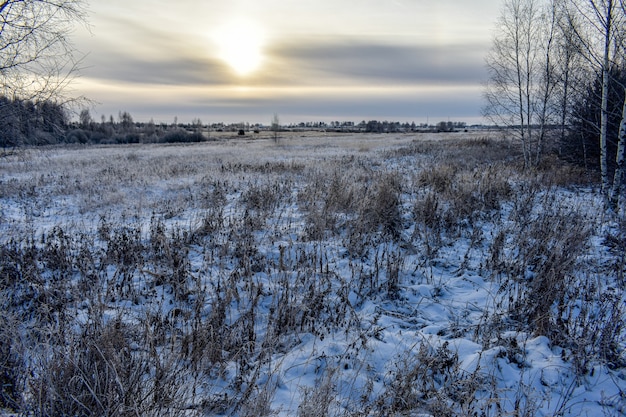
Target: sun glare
x=240 y=44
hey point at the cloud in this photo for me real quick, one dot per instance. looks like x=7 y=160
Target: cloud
x=173 y=69
x=357 y=61
x=416 y=104
x=126 y=51
x=301 y=63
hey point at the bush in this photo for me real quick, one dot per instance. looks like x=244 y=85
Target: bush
x=182 y=136
x=78 y=136
x=11 y=364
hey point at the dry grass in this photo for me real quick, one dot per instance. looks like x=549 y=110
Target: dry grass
x=178 y=274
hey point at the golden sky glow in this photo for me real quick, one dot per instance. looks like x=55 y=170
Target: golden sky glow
x=236 y=60
x=240 y=44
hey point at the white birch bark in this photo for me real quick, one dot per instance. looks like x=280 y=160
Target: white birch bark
x=604 y=116
x=618 y=177
x=604 y=11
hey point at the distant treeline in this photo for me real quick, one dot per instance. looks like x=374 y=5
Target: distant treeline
x=24 y=122
x=384 y=127
x=375 y=126
x=29 y=123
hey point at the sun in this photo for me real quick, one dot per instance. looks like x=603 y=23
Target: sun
x=240 y=43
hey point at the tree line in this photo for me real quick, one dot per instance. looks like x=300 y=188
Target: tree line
x=47 y=122
x=34 y=123
x=556 y=81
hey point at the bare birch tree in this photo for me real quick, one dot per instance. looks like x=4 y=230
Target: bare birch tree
x=522 y=74
x=548 y=80
x=569 y=61
x=620 y=163
x=37 y=57
x=620 y=168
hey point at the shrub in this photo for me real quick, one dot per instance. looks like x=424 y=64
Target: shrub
x=537 y=256
x=182 y=136
x=12 y=366
x=77 y=136
x=431 y=381
x=439 y=177
x=381 y=211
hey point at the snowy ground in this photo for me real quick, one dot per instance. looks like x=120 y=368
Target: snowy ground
x=320 y=275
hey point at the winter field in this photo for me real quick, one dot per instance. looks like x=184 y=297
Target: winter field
x=319 y=275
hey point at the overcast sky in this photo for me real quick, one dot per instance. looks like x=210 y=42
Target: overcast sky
x=306 y=60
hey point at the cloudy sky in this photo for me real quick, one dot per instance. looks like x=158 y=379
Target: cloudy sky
x=306 y=60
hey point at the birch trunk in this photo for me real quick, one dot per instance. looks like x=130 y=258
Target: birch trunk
x=524 y=135
x=618 y=177
x=604 y=122
x=548 y=84
x=604 y=111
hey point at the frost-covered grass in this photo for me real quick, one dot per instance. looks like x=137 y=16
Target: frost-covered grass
x=340 y=275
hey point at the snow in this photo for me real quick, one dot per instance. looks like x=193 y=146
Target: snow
x=368 y=336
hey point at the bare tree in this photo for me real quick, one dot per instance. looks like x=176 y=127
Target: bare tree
x=37 y=58
x=548 y=80
x=569 y=61
x=84 y=119
x=620 y=164
x=620 y=169
x=275 y=126
x=522 y=81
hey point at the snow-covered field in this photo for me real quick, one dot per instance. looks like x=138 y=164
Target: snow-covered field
x=339 y=275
